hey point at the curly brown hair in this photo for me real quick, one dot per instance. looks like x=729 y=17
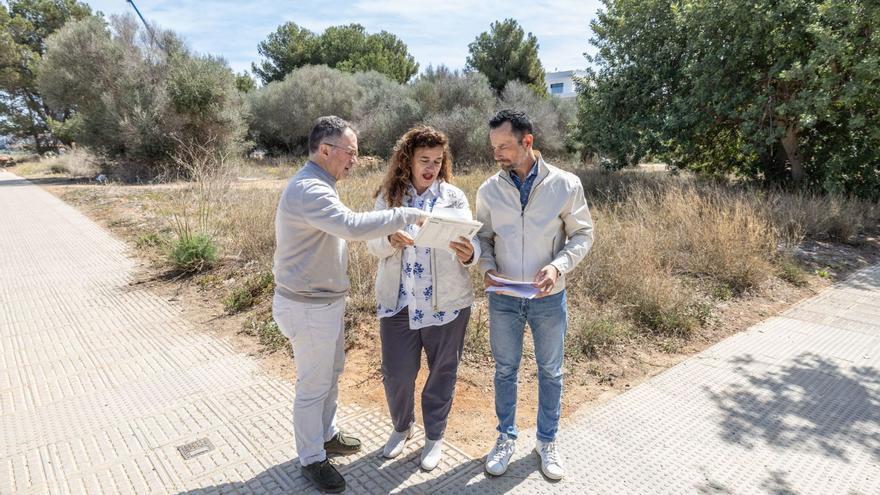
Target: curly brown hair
x=399 y=175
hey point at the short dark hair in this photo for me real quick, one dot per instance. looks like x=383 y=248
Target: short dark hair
x=329 y=126
x=519 y=122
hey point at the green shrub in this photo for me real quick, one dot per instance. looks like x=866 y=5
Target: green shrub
x=441 y=90
x=193 y=253
x=665 y=307
x=267 y=332
x=722 y=292
x=134 y=100
x=204 y=104
x=238 y=299
x=148 y=240
x=247 y=294
x=283 y=112
x=459 y=105
x=383 y=113
x=591 y=334
x=270 y=336
x=468 y=132
x=792 y=273
x=550 y=128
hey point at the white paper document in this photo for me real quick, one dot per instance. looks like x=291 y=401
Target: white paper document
x=452 y=213
x=517 y=288
x=444 y=226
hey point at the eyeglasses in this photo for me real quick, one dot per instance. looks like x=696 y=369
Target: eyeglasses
x=349 y=152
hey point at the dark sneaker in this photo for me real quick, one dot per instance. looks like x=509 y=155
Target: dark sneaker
x=342 y=444
x=325 y=477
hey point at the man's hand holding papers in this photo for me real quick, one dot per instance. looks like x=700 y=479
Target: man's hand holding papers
x=514 y=287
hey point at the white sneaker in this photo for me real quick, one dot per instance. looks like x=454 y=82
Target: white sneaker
x=499 y=456
x=431 y=454
x=396 y=442
x=551 y=459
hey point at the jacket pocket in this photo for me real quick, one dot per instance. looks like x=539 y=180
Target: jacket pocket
x=388 y=281
x=453 y=281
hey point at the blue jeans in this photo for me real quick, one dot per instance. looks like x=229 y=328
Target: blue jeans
x=547 y=317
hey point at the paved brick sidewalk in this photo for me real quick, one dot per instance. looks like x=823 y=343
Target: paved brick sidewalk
x=100 y=383
x=790 y=406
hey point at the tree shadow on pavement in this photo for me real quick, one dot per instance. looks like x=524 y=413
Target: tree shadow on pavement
x=812 y=403
x=775 y=483
x=47 y=181
x=868 y=280
x=368 y=474
x=456 y=481
x=372 y=474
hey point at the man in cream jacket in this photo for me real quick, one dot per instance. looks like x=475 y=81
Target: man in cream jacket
x=537 y=228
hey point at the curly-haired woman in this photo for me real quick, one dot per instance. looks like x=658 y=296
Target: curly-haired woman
x=424 y=294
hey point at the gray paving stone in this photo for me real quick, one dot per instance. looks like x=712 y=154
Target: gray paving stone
x=101 y=381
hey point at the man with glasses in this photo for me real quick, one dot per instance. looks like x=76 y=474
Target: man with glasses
x=311 y=282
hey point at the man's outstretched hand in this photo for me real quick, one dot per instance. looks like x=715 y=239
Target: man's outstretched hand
x=400 y=239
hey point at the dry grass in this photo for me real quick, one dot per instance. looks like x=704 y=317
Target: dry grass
x=661 y=247
x=246 y=223
x=673 y=270
x=668 y=250
x=698 y=232
x=74 y=163
x=800 y=215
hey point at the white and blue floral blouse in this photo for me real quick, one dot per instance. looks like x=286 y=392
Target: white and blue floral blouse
x=416 y=287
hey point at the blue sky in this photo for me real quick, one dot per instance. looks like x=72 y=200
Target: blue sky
x=436 y=32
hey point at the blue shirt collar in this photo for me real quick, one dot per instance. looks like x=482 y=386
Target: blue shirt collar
x=532 y=173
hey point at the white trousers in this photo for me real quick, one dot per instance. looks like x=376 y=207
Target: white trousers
x=317 y=334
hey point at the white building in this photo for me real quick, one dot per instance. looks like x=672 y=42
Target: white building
x=562 y=83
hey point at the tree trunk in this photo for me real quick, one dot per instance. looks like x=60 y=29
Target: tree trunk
x=773 y=164
x=795 y=160
x=38 y=143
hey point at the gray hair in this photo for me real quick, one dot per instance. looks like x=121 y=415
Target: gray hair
x=329 y=126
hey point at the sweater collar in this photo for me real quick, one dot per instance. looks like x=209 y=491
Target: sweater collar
x=320 y=172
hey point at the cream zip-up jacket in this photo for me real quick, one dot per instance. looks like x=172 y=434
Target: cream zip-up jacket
x=452 y=284
x=555 y=226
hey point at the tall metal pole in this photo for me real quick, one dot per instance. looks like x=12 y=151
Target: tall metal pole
x=146 y=25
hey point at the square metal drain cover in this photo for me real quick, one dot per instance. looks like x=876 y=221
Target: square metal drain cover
x=198 y=447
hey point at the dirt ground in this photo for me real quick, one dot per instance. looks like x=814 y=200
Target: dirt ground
x=588 y=382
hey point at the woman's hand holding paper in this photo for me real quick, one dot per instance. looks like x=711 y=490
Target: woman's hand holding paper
x=463 y=249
